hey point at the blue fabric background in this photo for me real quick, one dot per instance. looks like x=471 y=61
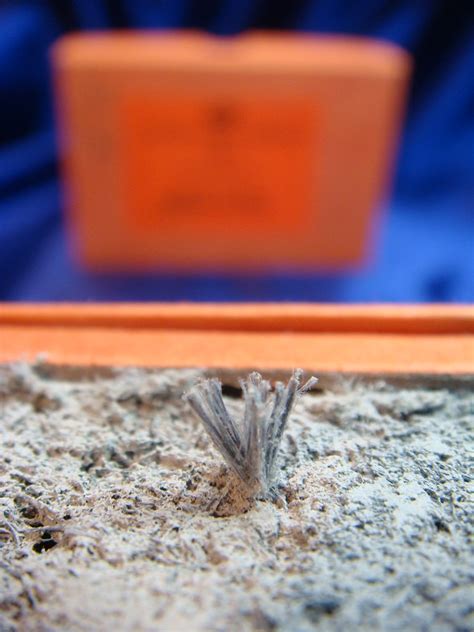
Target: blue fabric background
x=426 y=246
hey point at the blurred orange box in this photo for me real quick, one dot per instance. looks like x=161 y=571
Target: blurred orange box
x=186 y=151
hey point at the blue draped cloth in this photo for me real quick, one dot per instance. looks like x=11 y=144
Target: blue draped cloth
x=426 y=244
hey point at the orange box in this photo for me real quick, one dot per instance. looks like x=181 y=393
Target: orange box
x=378 y=339
x=188 y=151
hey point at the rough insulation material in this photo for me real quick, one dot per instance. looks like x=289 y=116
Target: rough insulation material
x=116 y=513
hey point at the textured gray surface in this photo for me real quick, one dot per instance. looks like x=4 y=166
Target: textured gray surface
x=116 y=513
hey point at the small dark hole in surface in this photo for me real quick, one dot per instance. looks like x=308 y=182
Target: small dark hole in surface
x=318 y=608
x=315 y=391
x=29 y=513
x=234 y=392
x=44 y=544
x=441 y=525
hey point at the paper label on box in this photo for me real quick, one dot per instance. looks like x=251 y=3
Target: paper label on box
x=208 y=165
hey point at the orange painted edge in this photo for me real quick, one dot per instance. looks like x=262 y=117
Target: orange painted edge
x=324 y=338
x=297 y=317
x=319 y=352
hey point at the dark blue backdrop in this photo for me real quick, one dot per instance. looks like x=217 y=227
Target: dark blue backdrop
x=426 y=247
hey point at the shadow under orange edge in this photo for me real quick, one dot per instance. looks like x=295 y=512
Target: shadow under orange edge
x=321 y=338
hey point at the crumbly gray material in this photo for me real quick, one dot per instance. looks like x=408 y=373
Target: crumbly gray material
x=117 y=514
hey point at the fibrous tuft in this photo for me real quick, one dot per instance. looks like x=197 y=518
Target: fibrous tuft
x=250 y=445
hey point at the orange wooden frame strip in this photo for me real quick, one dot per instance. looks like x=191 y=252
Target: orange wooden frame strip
x=431 y=339
x=436 y=319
